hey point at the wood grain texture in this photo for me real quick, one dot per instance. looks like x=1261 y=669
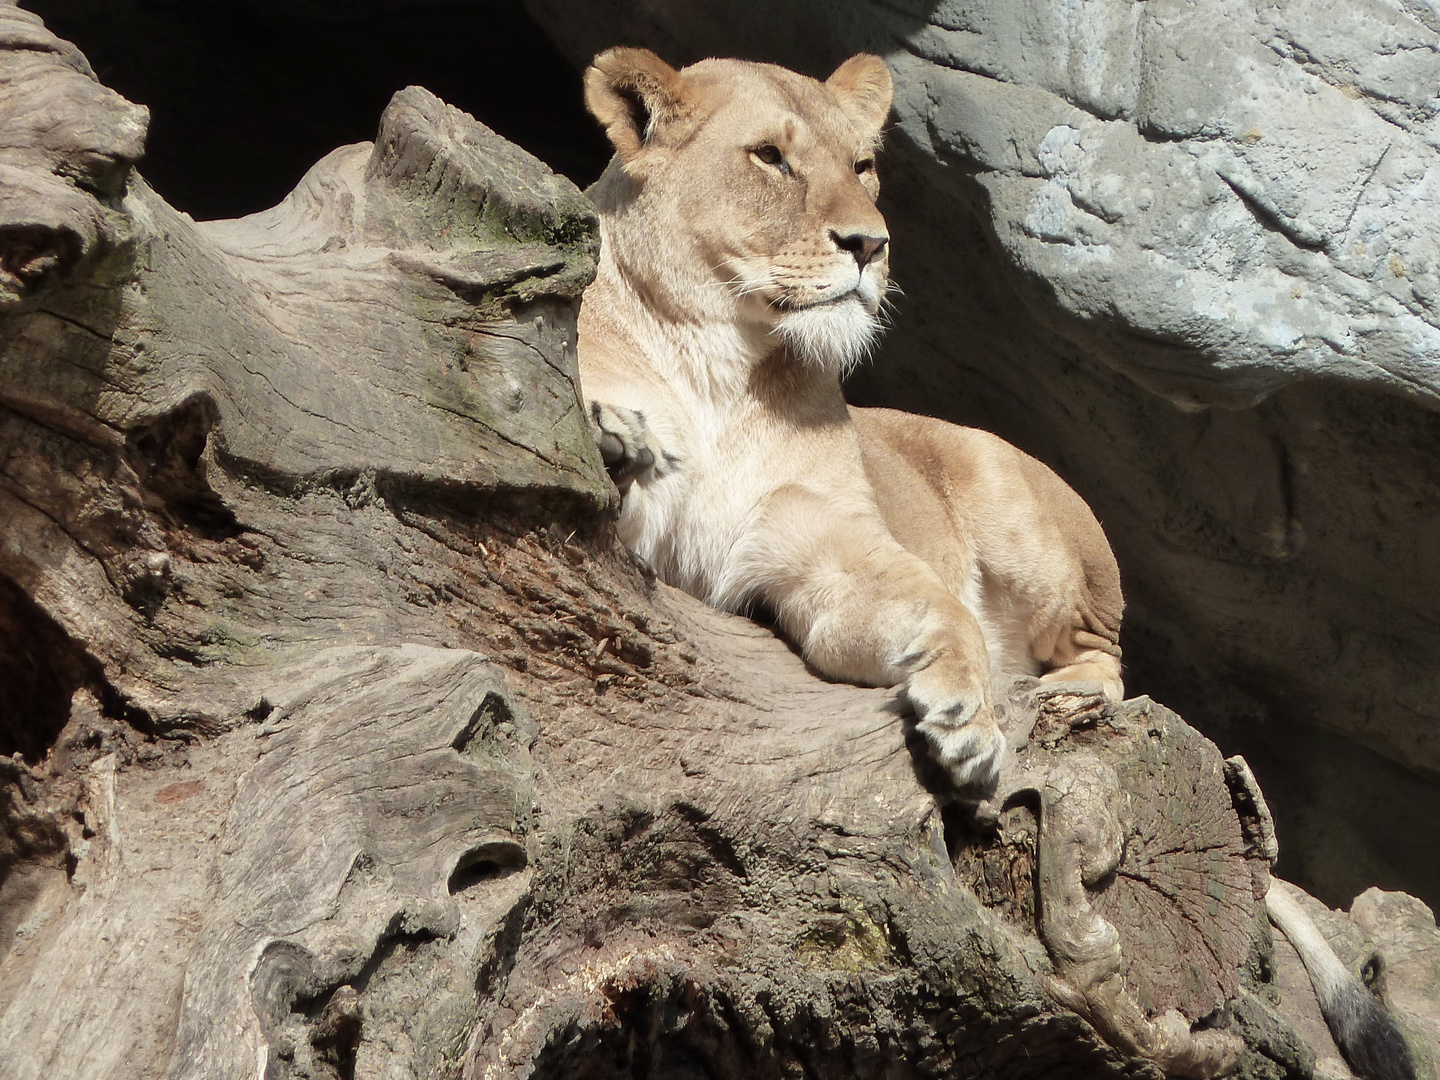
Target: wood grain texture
x=357 y=746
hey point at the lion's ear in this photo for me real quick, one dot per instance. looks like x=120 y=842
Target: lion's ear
x=633 y=93
x=863 y=86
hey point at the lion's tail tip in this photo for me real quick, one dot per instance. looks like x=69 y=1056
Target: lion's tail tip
x=1367 y=1034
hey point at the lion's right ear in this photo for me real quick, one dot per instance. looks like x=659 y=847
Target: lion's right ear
x=633 y=93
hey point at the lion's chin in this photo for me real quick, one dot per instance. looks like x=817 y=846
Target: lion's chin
x=834 y=337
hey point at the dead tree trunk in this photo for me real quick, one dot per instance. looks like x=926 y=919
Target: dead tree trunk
x=348 y=743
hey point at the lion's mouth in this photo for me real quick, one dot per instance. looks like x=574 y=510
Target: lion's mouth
x=790 y=303
x=834 y=333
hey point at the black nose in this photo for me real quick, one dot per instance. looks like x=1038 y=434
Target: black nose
x=863 y=247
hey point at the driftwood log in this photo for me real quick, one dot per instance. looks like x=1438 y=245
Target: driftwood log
x=345 y=741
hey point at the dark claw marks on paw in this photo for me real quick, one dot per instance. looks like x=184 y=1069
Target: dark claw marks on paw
x=626 y=444
x=971 y=752
x=611 y=448
x=625 y=467
x=618 y=462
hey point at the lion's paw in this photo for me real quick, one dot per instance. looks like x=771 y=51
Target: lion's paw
x=627 y=445
x=970 y=754
x=963 y=737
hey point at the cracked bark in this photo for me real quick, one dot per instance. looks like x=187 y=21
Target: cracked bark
x=349 y=743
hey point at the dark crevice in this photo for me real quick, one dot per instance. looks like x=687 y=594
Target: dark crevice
x=246 y=95
x=69 y=320
x=336 y=1025
x=492 y=712
x=1271 y=220
x=391 y=941
x=962 y=829
x=485 y=863
x=715 y=842
x=260 y=711
x=33 y=848
x=424 y=502
x=41 y=667
x=168 y=456
x=1159 y=136
x=286 y=985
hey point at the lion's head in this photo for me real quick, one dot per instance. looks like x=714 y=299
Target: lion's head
x=744 y=194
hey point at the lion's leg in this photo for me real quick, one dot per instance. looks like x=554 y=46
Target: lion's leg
x=962 y=500
x=1091 y=667
x=1085 y=643
x=863 y=609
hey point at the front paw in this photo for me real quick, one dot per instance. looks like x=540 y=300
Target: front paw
x=627 y=445
x=961 y=734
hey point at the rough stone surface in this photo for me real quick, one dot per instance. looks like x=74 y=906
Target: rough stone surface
x=345 y=741
x=1185 y=253
x=1389 y=941
x=273 y=490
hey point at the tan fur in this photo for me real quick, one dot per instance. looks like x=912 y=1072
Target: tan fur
x=741 y=270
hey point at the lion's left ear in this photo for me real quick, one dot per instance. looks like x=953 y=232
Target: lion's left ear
x=863 y=86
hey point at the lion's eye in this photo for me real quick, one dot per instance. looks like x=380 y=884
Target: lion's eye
x=770 y=154
x=864 y=165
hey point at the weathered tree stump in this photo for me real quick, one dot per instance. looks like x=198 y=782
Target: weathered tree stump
x=348 y=743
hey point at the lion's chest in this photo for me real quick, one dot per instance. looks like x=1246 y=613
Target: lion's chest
x=696 y=523
x=691 y=523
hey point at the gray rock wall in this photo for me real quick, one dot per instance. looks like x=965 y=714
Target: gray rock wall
x=348 y=742
x=1184 y=252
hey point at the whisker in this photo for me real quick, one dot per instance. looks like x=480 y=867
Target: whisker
x=739 y=286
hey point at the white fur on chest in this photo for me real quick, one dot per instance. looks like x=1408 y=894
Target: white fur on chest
x=696 y=521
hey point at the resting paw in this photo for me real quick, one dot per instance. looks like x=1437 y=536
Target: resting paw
x=1101 y=671
x=963 y=737
x=627 y=445
x=970 y=754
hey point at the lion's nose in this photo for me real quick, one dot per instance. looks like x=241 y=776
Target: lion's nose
x=865 y=248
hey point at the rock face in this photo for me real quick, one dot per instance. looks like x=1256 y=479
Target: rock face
x=1186 y=254
x=344 y=741
x=1391 y=939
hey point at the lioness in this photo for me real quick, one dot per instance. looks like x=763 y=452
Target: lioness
x=742 y=266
